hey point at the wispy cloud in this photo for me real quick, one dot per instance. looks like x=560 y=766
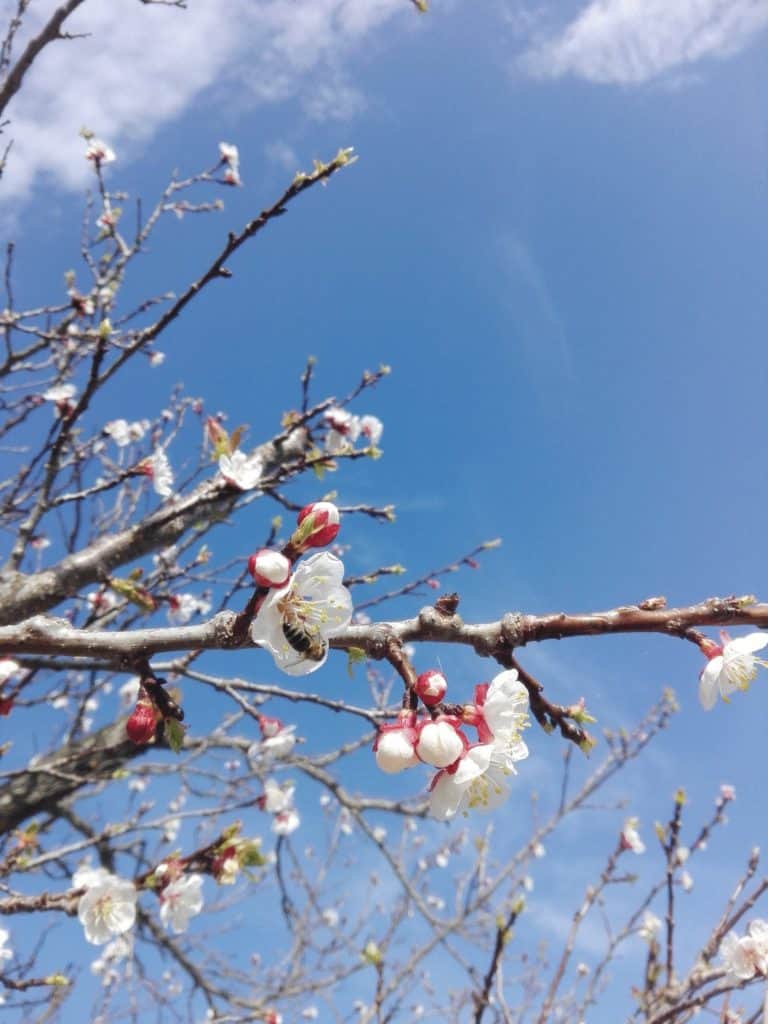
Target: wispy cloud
x=635 y=41
x=539 y=333
x=140 y=67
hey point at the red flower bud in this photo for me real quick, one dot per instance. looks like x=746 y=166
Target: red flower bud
x=318 y=524
x=269 y=568
x=142 y=723
x=431 y=687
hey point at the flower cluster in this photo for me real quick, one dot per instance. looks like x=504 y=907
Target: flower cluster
x=230 y=157
x=344 y=429
x=746 y=956
x=470 y=775
x=124 y=433
x=107 y=907
x=233 y=854
x=241 y=470
x=302 y=610
x=182 y=607
x=731 y=665
x=277 y=800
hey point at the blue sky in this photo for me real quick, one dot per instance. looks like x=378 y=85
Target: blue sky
x=556 y=234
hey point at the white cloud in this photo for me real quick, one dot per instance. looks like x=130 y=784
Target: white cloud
x=281 y=153
x=141 y=66
x=634 y=41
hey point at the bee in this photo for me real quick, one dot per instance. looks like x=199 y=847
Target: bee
x=302 y=640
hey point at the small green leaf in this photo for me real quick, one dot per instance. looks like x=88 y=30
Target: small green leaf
x=354 y=656
x=174 y=733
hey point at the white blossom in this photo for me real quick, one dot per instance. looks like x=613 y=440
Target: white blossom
x=241 y=470
x=630 y=837
x=500 y=713
x=744 y=957
x=6 y=953
x=99 y=152
x=372 y=428
x=477 y=782
x=276 y=798
x=285 y=822
x=156 y=358
x=60 y=393
x=180 y=901
x=161 y=473
x=124 y=433
x=184 y=606
x=108 y=906
x=732 y=666
x=650 y=927
x=313 y=604
x=330 y=917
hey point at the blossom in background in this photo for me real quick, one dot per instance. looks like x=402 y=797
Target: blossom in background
x=372 y=428
x=6 y=953
x=124 y=433
x=276 y=798
x=61 y=395
x=732 y=666
x=630 y=837
x=101 y=601
x=129 y=693
x=182 y=607
x=650 y=927
x=277 y=740
x=230 y=156
x=478 y=781
x=156 y=358
x=295 y=622
x=100 y=152
x=241 y=470
x=158 y=469
x=180 y=901
x=344 y=429
x=108 y=906
x=118 y=949
x=286 y=822
x=746 y=956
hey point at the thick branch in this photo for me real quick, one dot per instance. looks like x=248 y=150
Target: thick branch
x=45 y=635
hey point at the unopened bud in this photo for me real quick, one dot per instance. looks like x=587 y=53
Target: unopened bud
x=318 y=525
x=269 y=568
x=440 y=742
x=431 y=686
x=142 y=723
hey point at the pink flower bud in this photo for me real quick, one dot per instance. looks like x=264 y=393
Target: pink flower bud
x=395 y=745
x=318 y=524
x=142 y=723
x=269 y=726
x=269 y=568
x=431 y=687
x=441 y=742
